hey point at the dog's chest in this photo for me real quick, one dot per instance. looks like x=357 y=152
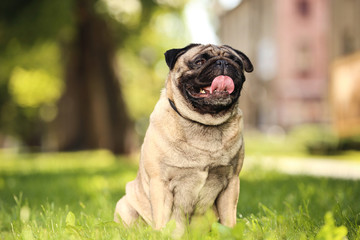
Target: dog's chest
x=203 y=151
x=196 y=189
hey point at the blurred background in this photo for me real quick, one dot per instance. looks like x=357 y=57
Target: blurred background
x=86 y=74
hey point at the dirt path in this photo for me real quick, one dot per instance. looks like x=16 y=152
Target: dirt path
x=308 y=166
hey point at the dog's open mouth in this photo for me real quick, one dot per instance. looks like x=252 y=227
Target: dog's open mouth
x=221 y=86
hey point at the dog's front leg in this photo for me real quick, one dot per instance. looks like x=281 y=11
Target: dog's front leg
x=227 y=202
x=161 y=203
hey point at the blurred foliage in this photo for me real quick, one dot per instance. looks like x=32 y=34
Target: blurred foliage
x=34 y=39
x=25 y=101
x=30 y=69
x=34 y=88
x=34 y=21
x=142 y=65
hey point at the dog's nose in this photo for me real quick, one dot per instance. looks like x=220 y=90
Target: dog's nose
x=222 y=63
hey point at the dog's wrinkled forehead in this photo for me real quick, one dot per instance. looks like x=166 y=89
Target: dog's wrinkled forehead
x=211 y=50
x=188 y=53
x=180 y=54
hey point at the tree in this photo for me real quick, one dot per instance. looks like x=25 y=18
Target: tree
x=92 y=113
x=78 y=41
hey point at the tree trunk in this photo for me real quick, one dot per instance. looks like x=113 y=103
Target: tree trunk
x=92 y=113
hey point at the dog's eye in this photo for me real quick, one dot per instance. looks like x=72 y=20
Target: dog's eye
x=200 y=62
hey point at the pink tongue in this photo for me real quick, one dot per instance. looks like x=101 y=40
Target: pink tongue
x=222 y=83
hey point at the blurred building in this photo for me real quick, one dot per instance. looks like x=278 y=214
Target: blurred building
x=292 y=45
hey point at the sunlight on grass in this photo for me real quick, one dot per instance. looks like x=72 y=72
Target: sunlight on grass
x=55 y=162
x=73 y=195
x=297 y=143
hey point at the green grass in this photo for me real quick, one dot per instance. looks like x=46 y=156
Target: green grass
x=297 y=144
x=73 y=195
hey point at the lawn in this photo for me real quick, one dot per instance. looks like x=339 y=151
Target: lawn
x=73 y=195
x=302 y=142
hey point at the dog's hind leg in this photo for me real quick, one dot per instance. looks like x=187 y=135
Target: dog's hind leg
x=124 y=212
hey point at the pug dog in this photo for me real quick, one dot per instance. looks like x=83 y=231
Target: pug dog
x=193 y=149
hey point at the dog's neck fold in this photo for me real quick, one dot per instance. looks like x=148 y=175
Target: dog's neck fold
x=172 y=104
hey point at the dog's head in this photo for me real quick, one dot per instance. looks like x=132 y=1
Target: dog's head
x=205 y=81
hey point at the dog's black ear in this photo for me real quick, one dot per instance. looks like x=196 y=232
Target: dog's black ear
x=246 y=61
x=173 y=54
